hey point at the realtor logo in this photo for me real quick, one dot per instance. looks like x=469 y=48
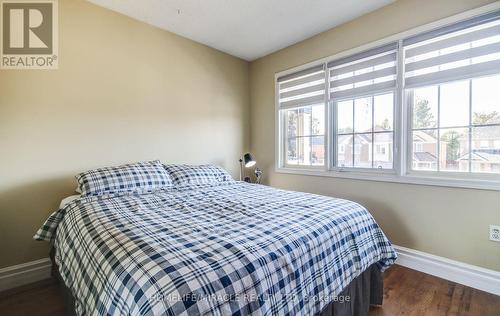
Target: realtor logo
x=29 y=35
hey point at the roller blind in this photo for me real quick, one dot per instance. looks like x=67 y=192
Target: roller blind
x=367 y=72
x=463 y=50
x=301 y=88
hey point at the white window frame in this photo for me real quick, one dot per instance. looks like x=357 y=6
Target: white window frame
x=333 y=118
x=283 y=142
x=450 y=174
x=401 y=158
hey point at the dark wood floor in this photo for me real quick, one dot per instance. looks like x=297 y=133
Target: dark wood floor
x=409 y=292
x=406 y=292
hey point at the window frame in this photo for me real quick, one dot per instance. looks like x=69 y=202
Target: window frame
x=402 y=156
x=334 y=135
x=469 y=127
x=284 y=138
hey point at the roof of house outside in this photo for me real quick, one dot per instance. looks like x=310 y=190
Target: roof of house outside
x=424 y=157
x=483 y=156
x=423 y=137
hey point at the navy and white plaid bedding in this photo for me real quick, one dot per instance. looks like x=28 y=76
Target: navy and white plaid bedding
x=139 y=176
x=197 y=174
x=228 y=249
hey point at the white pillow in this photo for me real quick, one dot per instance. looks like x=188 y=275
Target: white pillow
x=68 y=200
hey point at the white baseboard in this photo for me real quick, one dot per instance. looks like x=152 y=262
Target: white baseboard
x=459 y=272
x=466 y=274
x=24 y=273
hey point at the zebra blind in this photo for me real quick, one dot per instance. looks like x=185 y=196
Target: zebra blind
x=367 y=72
x=305 y=87
x=463 y=50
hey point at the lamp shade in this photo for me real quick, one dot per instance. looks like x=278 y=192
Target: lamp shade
x=249 y=162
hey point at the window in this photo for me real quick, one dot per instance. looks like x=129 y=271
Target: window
x=367 y=123
x=424 y=109
x=452 y=87
x=305 y=135
x=302 y=112
x=362 y=93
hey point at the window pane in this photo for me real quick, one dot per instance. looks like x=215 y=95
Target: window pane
x=454 y=104
x=382 y=154
x=318 y=150
x=301 y=147
x=424 y=150
x=298 y=121
x=304 y=146
x=344 y=117
x=454 y=144
x=363 y=150
x=363 y=115
x=383 y=116
x=425 y=107
x=344 y=151
x=318 y=120
x=304 y=121
x=360 y=145
x=292 y=156
x=291 y=122
x=486 y=100
x=486 y=149
x=304 y=150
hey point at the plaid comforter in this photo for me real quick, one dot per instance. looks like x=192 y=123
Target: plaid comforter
x=228 y=249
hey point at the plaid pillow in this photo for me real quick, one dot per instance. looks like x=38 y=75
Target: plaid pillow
x=140 y=176
x=202 y=174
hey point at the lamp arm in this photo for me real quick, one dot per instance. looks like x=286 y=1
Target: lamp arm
x=241 y=169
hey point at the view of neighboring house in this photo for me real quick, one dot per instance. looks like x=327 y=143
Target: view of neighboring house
x=482 y=161
x=381 y=153
x=453 y=154
x=485 y=153
x=305 y=146
x=424 y=151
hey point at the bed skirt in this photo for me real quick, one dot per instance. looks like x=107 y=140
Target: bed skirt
x=355 y=300
x=365 y=290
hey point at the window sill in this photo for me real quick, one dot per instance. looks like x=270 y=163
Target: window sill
x=392 y=177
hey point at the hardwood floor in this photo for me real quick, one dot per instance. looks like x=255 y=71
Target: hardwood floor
x=406 y=292
x=409 y=292
x=41 y=298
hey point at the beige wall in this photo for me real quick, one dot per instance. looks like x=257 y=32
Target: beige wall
x=448 y=222
x=124 y=92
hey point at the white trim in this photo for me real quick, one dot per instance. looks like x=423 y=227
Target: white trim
x=278 y=145
x=403 y=172
x=24 y=273
x=472 y=276
x=398 y=124
x=394 y=178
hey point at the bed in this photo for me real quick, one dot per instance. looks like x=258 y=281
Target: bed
x=226 y=248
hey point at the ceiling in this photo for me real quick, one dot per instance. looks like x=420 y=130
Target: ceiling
x=248 y=29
